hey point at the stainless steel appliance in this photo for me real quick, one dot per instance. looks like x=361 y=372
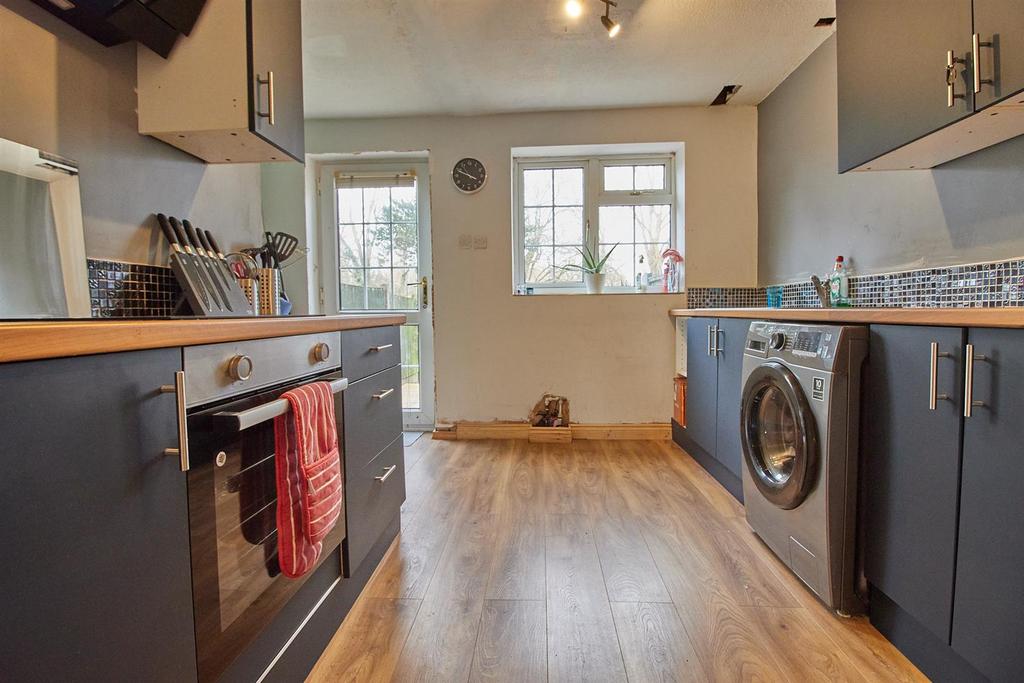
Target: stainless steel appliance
x=799 y=424
x=228 y=396
x=43 y=271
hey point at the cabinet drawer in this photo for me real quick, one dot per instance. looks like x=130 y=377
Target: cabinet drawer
x=371 y=504
x=371 y=423
x=370 y=350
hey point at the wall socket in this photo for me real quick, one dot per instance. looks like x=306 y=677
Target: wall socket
x=479 y=241
x=465 y=241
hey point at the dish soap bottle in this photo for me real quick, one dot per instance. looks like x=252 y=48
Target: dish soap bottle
x=839 y=285
x=643 y=272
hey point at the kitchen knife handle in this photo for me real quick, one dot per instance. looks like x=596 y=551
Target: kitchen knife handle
x=213 y=243
x=165 y=228
x=192 y=236
x=205 y=241
x=180 y=233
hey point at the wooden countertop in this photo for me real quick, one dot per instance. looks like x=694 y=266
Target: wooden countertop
x=32 y=340
x=949 y=317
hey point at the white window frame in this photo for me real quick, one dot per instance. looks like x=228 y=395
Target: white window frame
x=594 y=197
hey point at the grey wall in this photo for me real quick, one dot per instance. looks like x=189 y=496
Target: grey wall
x=62 y=92
x=968 y=210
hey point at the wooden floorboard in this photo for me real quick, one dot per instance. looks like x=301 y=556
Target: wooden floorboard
x=590 y=561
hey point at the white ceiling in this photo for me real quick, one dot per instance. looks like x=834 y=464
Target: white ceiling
x=403 y=57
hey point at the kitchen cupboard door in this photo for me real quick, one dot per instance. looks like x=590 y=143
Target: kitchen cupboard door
x=96 y=579
x=911 y=469
x=701 y=384
x=275 y=48
x=988 y=616
x=999 y=25
x=732 y=336
x=892 y=73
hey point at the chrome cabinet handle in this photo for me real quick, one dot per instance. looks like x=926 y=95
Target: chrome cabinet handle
x=388 y=471
x=709 y=340
x=269 y=82
x=382 y=347
x=951 y=62
x=976 y=66
x=969 y=402
x=383 y=394
x=719 y=348
x=933 y=379
x=178 y=388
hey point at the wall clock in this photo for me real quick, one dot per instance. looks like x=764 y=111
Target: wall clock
x=469 y=175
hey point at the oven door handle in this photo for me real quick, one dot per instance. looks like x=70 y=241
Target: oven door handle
x=268 y=411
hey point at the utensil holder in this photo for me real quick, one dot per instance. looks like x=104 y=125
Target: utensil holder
x=270 y=291
x=251 y=288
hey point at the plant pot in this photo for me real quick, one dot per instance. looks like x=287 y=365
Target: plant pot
x=594 y=282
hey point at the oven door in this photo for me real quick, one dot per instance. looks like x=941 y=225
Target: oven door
x=237 y=583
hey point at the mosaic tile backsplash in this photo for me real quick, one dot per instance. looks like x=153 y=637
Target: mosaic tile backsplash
x=131 y=290
x=982 y=285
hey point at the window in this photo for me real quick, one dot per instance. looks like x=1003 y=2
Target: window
x=622 y=205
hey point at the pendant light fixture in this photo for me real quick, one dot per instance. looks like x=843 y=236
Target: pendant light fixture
x=613 y=27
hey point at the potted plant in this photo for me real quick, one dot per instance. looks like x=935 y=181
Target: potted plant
x=592 y=268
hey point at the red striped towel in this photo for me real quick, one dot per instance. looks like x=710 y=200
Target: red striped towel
x=309 y=484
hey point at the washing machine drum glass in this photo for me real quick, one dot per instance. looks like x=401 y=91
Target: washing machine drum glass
x=780 y=443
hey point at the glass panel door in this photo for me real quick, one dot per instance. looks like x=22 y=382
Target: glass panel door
x=376 y=256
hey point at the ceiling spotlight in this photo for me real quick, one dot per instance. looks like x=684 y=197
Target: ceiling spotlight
x=574 y=8
x=613 y=27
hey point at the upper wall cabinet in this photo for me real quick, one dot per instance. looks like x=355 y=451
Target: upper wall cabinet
x=231 y=92
x=922 y=82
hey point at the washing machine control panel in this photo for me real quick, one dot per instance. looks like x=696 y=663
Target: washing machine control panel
x=796 y=341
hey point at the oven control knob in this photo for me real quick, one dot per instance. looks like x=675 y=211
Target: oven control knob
x=777 y=341
x=240 y=368
x=321 y=352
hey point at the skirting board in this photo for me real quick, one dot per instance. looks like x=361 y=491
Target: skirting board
x=463 y=431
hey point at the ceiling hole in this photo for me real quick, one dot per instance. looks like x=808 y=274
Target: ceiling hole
x=825 y=22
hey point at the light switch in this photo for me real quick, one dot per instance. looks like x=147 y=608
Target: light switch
x=465 y=241
x=479 y=241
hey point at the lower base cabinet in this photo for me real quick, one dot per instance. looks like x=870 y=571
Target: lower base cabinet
x=943 y=484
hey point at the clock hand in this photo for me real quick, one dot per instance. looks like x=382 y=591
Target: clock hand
x=471 y=177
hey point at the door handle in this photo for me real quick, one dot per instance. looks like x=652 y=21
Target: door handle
x=383 y=394
x=933 y=379
x=969 y=402
x=951 y=62
x=422 y=283
x=178 y=389
x=976 y=63
x=269 y=82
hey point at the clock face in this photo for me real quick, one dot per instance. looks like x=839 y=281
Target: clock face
x=469 y=175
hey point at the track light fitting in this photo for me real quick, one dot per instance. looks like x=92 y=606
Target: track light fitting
x=613 y=27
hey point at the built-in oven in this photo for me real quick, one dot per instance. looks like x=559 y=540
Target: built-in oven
x=233 y=395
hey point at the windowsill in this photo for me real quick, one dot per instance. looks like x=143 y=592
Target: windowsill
x=609 y=292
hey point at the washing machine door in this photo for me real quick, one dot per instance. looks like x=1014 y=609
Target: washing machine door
x=780 y=440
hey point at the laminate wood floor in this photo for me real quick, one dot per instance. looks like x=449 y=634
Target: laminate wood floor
x=592 y=561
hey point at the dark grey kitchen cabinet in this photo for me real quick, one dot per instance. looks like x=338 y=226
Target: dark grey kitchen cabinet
x=988 y=612
x=891 y=60
x=999 y=26
x=732 y=336
x=275 y=74
x=96 y=583
x=911 y=468
x=714 y=364
x=701 y=384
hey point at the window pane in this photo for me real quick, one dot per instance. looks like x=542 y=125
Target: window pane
x=407 y=291
x=565 y=256
x=378 y=245
x=403 y=205
x=649 y=177
x=537 y=226
x=538 y=264
x=376 y=204
x=350 y=205
x=569 y=225
x=618 y=178
x=615 y=224
x=652 y=257
x=378 y=288
x=410 y=367
x=568 y=186
x=351 y=294
x=653 y=223
x=405 y=244
x=350 y=246
x=537 y=189
x=619 y=267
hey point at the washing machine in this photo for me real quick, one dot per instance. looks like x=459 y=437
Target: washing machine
x=799 y=429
